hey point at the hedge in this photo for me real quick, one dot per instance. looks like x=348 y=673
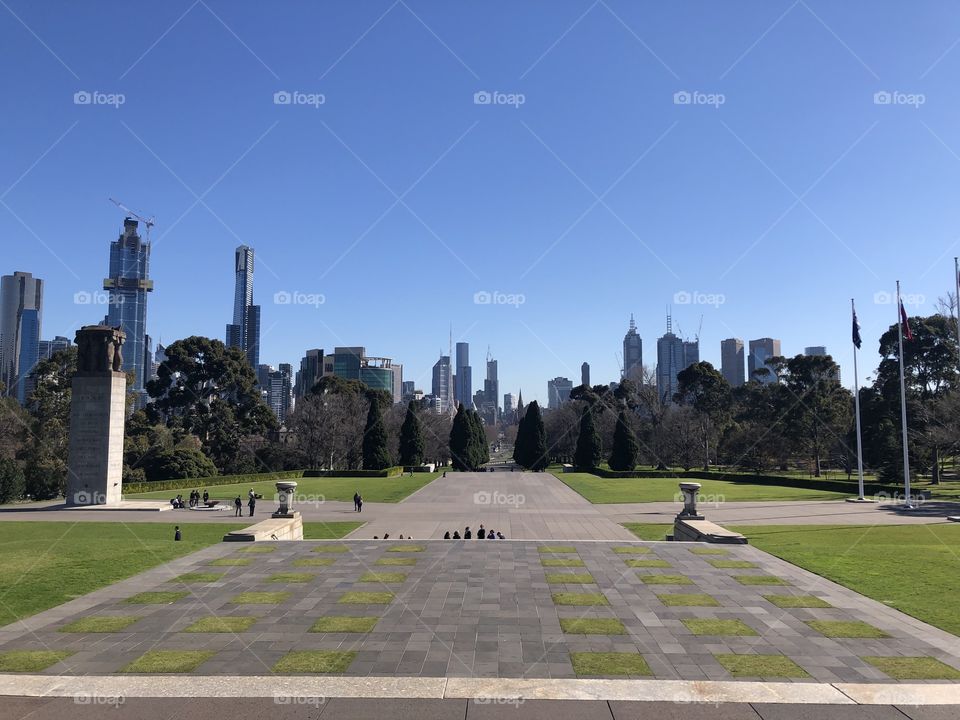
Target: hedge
x=394 y=471
x=185 y=483
x=749 y=478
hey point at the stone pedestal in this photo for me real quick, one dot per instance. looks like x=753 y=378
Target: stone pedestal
x=97 y=415
x=690 y=512
x=285 y=492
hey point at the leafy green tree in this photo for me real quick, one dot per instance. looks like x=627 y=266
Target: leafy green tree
x=180 y=462
x=589 y=452
x=12 y=483
x=708 y=392
x=625 y=450
x=376 y=454
x=530 y=450
x=411 y=438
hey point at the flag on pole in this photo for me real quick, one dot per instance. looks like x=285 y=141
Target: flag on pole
x=856 y=331
x=904 y=323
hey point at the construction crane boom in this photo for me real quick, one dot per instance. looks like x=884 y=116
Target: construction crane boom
x=148 y=222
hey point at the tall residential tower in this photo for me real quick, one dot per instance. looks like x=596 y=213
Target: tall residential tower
x=244 y=331
x=21 y=308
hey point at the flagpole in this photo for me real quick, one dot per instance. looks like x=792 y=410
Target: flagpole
x=956 y=277
x=856 y=395
x=903 y=403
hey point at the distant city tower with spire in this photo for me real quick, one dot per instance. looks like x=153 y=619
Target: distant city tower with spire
x=632 y=352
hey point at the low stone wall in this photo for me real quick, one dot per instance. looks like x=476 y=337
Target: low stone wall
x=287 y=528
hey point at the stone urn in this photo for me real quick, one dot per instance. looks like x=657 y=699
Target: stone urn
x=285 y=492
x=690 y=490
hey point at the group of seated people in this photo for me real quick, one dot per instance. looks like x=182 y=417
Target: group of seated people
x=386 y=536
x=179 y=504
x=482 y=534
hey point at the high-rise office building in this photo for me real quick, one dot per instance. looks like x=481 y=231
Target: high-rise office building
x=279 y=389
x=128 y=283
x=632 y=352
x=489 y=398
x=732 y=361
x=377 y=373
x=761 y=351
x=310 y=372
x=558 y=392
x=21 y=311
x=673 y=356
x=408 y=389
x=509 y=405
x=244 y=331
x=397 y=370
x=585 y=374
x=49 y=347
x=463 y=376
x=442 y=386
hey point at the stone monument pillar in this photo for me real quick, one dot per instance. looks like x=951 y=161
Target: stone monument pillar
x=285 y=492
x=97 y=415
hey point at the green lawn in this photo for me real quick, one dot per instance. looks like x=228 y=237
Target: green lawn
x=913 y=568
x=656 y=489
x=388 y=490
x=48 y=563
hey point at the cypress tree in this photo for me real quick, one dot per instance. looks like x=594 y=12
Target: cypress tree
x=588 y=452
x=625 y=448
x=411 y=438
x=521 y=443
x=480 y=449
x=376 y=455
x=460 y=440
x=535 y=451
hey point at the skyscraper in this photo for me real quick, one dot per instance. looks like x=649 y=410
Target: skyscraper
x=731 y=361
x=128 y=283
x=632 y=351
x=49 y=347
x=509 y=406
x=244 y=331
x=585 y=374
x=558 y=392
x=310 y=372
x=280 y=391
x=760 y=353
x=463 y=376
x=21 y=310
x=673 y=355
x=442 y=386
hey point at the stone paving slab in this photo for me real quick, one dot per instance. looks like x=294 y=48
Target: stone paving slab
x=481 y=609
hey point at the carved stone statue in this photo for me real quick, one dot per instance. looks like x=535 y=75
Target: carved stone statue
x=99 y=349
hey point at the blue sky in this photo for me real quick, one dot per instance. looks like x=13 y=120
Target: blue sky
x=779 y=192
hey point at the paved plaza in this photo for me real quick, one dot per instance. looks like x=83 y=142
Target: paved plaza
x=485 y=609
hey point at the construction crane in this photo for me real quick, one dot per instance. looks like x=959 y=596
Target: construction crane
x=148 y=222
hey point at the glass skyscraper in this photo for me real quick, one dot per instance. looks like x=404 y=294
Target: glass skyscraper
x=128 y=284
x=21 y=309
x=244 y=331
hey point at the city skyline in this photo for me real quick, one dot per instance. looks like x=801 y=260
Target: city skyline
x=277 y=135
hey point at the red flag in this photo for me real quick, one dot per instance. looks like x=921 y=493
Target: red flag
x=904 y=323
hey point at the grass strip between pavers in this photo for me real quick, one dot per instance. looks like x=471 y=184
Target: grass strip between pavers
x=733 y=564
x=31 y=660
x=592 y=626
x=197 y=577
x=688 y=600
x=158 y=597
x=709 y=551
x=666 y=579
x=407 y=548
x=313 y=562
x=631 y=550
x=259 y=598
x=711 y=626
x=556 y=549
x=797 y=601
x=383 y=577
x=221 y=624
x=913 y=668
x=396 y=561
x=565 y=598
x=562 y=562
x=759 y=580
x=100 y=624
x=647 y=563
x=231 y=562
x=315 y=661
x=169 y=661
x=761 y=666
x=331 y=549
x=846 y=629
x=258 y=549
x=609 y=663
x=570 y=578
x=344 y=624
x=291 y=577
x=366 y=598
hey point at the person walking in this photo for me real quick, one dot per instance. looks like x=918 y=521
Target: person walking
x=252 y=503
x=238 y=507
x=356 y=501
x=359 y=502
